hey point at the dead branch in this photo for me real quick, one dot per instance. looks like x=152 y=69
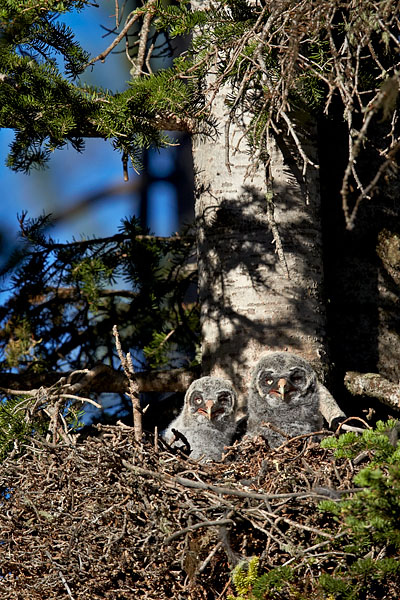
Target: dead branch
x=275 y=232
x=120 y=519
x=98 y=379
x=200 y=485
x=143 y=37
x=132 y=18
x=374 y=386
x=218 y=523
x=127 y=365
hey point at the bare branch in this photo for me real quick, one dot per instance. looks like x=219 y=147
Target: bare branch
x=218 y=523
x=374 y=386
x=132 y=18
x=98 y=379
x=127 y=365
x=275 y=232
x=200 y=485
x=143 y=37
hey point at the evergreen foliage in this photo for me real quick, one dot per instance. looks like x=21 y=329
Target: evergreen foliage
x=39 y=103
x=280 y=60
x=285 y=63
x=250 y=585
x=362 y=560
x=244 y=575
x=280 y=70
x=373 y=512
x=23 y=418
x=14 y=427
x=44 y=106
x=57 y=285
x=278 y=67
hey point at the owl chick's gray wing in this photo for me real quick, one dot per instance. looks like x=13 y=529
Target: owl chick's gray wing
x=328 y=406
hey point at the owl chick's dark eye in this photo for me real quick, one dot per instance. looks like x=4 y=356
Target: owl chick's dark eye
x=297 y=378
x=224 y=397
x=197 y=400
x=266 y=378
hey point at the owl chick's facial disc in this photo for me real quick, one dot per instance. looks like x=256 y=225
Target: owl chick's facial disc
x=282 y=387
x=283 y=393
x=211 y=408
x=207 y=419
x=211 y=405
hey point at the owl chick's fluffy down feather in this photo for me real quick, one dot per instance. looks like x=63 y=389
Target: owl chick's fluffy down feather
x=285 y=392
x=207 y=419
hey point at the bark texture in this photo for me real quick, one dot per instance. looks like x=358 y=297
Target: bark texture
x=374 y=386
x=250 y=301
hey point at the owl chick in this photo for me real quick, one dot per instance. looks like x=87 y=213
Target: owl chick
x=284 y=391
x=207 y=419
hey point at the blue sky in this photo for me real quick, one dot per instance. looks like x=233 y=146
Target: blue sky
x=71 y=176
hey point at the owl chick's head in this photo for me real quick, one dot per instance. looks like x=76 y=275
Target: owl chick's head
x=211 y=397
x=283 y=377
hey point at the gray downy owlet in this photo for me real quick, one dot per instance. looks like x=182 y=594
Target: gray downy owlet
x=285 y=392
x=207 y=419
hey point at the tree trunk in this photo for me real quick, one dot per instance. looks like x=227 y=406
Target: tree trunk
x=259 y=255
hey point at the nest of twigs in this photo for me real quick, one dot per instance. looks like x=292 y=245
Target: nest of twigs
x=110 y=518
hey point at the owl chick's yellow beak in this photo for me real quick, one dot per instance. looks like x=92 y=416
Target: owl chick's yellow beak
x=209 y=406
x=282 y=387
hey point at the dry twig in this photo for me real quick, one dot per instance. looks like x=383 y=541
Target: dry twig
x=122 y=520
x=127 y=365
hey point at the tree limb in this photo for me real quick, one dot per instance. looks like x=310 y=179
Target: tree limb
x=132 y=18
x=217 y=523
x=101 y=378
x=127 y=365
x=374 y=386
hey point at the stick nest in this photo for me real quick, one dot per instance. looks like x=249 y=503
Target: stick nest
x=111 y=518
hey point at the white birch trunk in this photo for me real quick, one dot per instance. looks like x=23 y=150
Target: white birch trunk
x=248 y=304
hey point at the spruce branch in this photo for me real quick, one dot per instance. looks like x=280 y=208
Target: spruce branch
x=98 y=379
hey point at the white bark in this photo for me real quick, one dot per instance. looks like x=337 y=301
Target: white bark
x=248 y=304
